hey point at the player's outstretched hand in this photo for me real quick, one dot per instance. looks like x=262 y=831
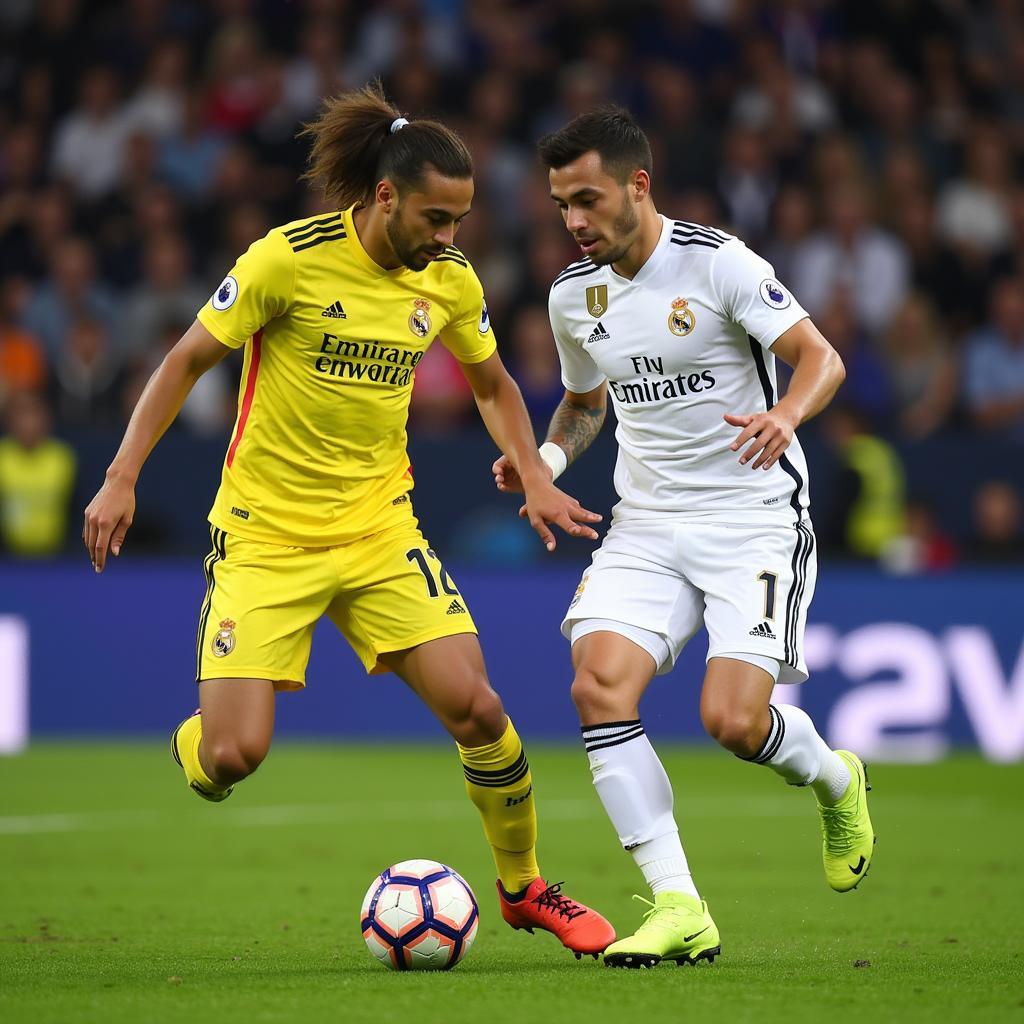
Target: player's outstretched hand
x=770 y=434
x=107 y=519
x=506 y=476
x=545 y=503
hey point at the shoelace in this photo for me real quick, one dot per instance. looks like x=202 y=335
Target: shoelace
x=552 y=899
x=651 y=916
x=839 y=832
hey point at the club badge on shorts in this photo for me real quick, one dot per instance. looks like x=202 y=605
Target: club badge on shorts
x=681 y=320
x=224 y=642
x=419 y=318
x=597 y=300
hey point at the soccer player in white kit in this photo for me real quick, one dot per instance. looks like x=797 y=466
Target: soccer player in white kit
x=682 y=324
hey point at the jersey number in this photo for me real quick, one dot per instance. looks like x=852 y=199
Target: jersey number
x=769 y=579
x=417 y=556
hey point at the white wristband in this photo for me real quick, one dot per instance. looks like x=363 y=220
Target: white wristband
x=555 y=457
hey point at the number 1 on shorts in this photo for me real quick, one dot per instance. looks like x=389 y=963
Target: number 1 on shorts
x=769 y=579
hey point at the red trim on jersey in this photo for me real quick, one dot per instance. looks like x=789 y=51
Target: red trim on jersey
x=409 y=471
x=250 y=390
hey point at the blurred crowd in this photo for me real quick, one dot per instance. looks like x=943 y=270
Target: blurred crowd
x=870 y=151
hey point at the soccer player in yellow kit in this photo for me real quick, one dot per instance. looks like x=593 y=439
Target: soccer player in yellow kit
x=313 y=515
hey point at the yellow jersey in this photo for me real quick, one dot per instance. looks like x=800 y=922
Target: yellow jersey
x=35 y=495
x=332 y=340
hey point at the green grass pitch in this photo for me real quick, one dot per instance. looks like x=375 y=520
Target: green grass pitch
x=123 y=898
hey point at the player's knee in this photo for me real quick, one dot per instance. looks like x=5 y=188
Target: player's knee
x=594 y=695
x=232 y=759
x=481 y=719
x=739 y=730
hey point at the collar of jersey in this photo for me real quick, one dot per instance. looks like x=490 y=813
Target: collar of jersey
x=653 y=259
x=360 y=254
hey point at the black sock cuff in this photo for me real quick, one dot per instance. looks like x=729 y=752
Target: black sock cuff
x=772 y=742
x=610 y=734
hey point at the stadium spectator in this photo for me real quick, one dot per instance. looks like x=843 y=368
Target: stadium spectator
x=188 y=156
x=953 y=283
x=22 y=363
x=924 y=547
x=236 y=93
x=921 y=369
x=974 y=211
x=394 y=30
x=441 y=401
x=684 y=138
x=37 y=474
x=865 y=386
x=167 y=293
x=997 y=517
x=502 y=164
x=994 y=364
x=866 y=506
x=27 y=243
x=851 y=253
x=21 y=168
x=209 y=409
x=71 y=290
x=747 y=181
x=88 y=147
x=777 y=99
x=792 y=222
x=87 y=377
x=158 y=106
x=316 y=70
x=534 y=364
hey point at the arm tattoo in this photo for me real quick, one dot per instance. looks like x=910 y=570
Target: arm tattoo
x=574 y=426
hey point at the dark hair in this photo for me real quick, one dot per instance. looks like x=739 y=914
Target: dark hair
x=354 y=147
x=611 y=132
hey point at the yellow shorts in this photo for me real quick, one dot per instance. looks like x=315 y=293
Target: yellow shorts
x=386 y=592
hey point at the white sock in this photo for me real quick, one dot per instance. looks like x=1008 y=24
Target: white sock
x=795 y=751
x=637 y=797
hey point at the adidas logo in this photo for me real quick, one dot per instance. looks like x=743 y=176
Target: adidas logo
x=455 y=608
x=599 y=334
x=335 y=310
x=763 y=630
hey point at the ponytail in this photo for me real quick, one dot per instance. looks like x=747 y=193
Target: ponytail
x=360 y=138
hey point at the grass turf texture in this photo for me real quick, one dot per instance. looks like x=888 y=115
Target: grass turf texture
x=123 y=897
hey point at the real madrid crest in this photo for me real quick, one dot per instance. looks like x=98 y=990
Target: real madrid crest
x=224 y=642
x=681 y=320
x=419 y=318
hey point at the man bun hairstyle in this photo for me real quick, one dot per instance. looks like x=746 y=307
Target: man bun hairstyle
x=356 y=143
x=611 y=132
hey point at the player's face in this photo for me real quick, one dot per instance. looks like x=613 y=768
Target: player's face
x=599 y=210
x=420 y=224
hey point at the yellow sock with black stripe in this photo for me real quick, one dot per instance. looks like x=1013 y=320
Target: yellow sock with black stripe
x=498 y=781
x=186 y=744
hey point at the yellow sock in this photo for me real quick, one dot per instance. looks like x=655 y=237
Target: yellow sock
x=498 y=781
x=186 y=740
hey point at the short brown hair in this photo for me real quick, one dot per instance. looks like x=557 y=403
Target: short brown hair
x=609 y=131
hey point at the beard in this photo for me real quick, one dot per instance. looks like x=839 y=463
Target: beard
x=411 y=255
x=623 y=235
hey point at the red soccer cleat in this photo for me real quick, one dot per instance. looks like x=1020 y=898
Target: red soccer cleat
x=543 y=906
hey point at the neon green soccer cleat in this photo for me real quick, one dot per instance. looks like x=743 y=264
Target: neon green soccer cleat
x=677 y=927
x=847 y=838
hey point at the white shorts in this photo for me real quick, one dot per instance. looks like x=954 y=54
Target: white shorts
x=750 y=586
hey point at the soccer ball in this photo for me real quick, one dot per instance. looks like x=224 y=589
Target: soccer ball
x=419 y=915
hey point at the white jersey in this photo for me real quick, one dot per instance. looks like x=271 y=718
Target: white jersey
x=681 y=344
